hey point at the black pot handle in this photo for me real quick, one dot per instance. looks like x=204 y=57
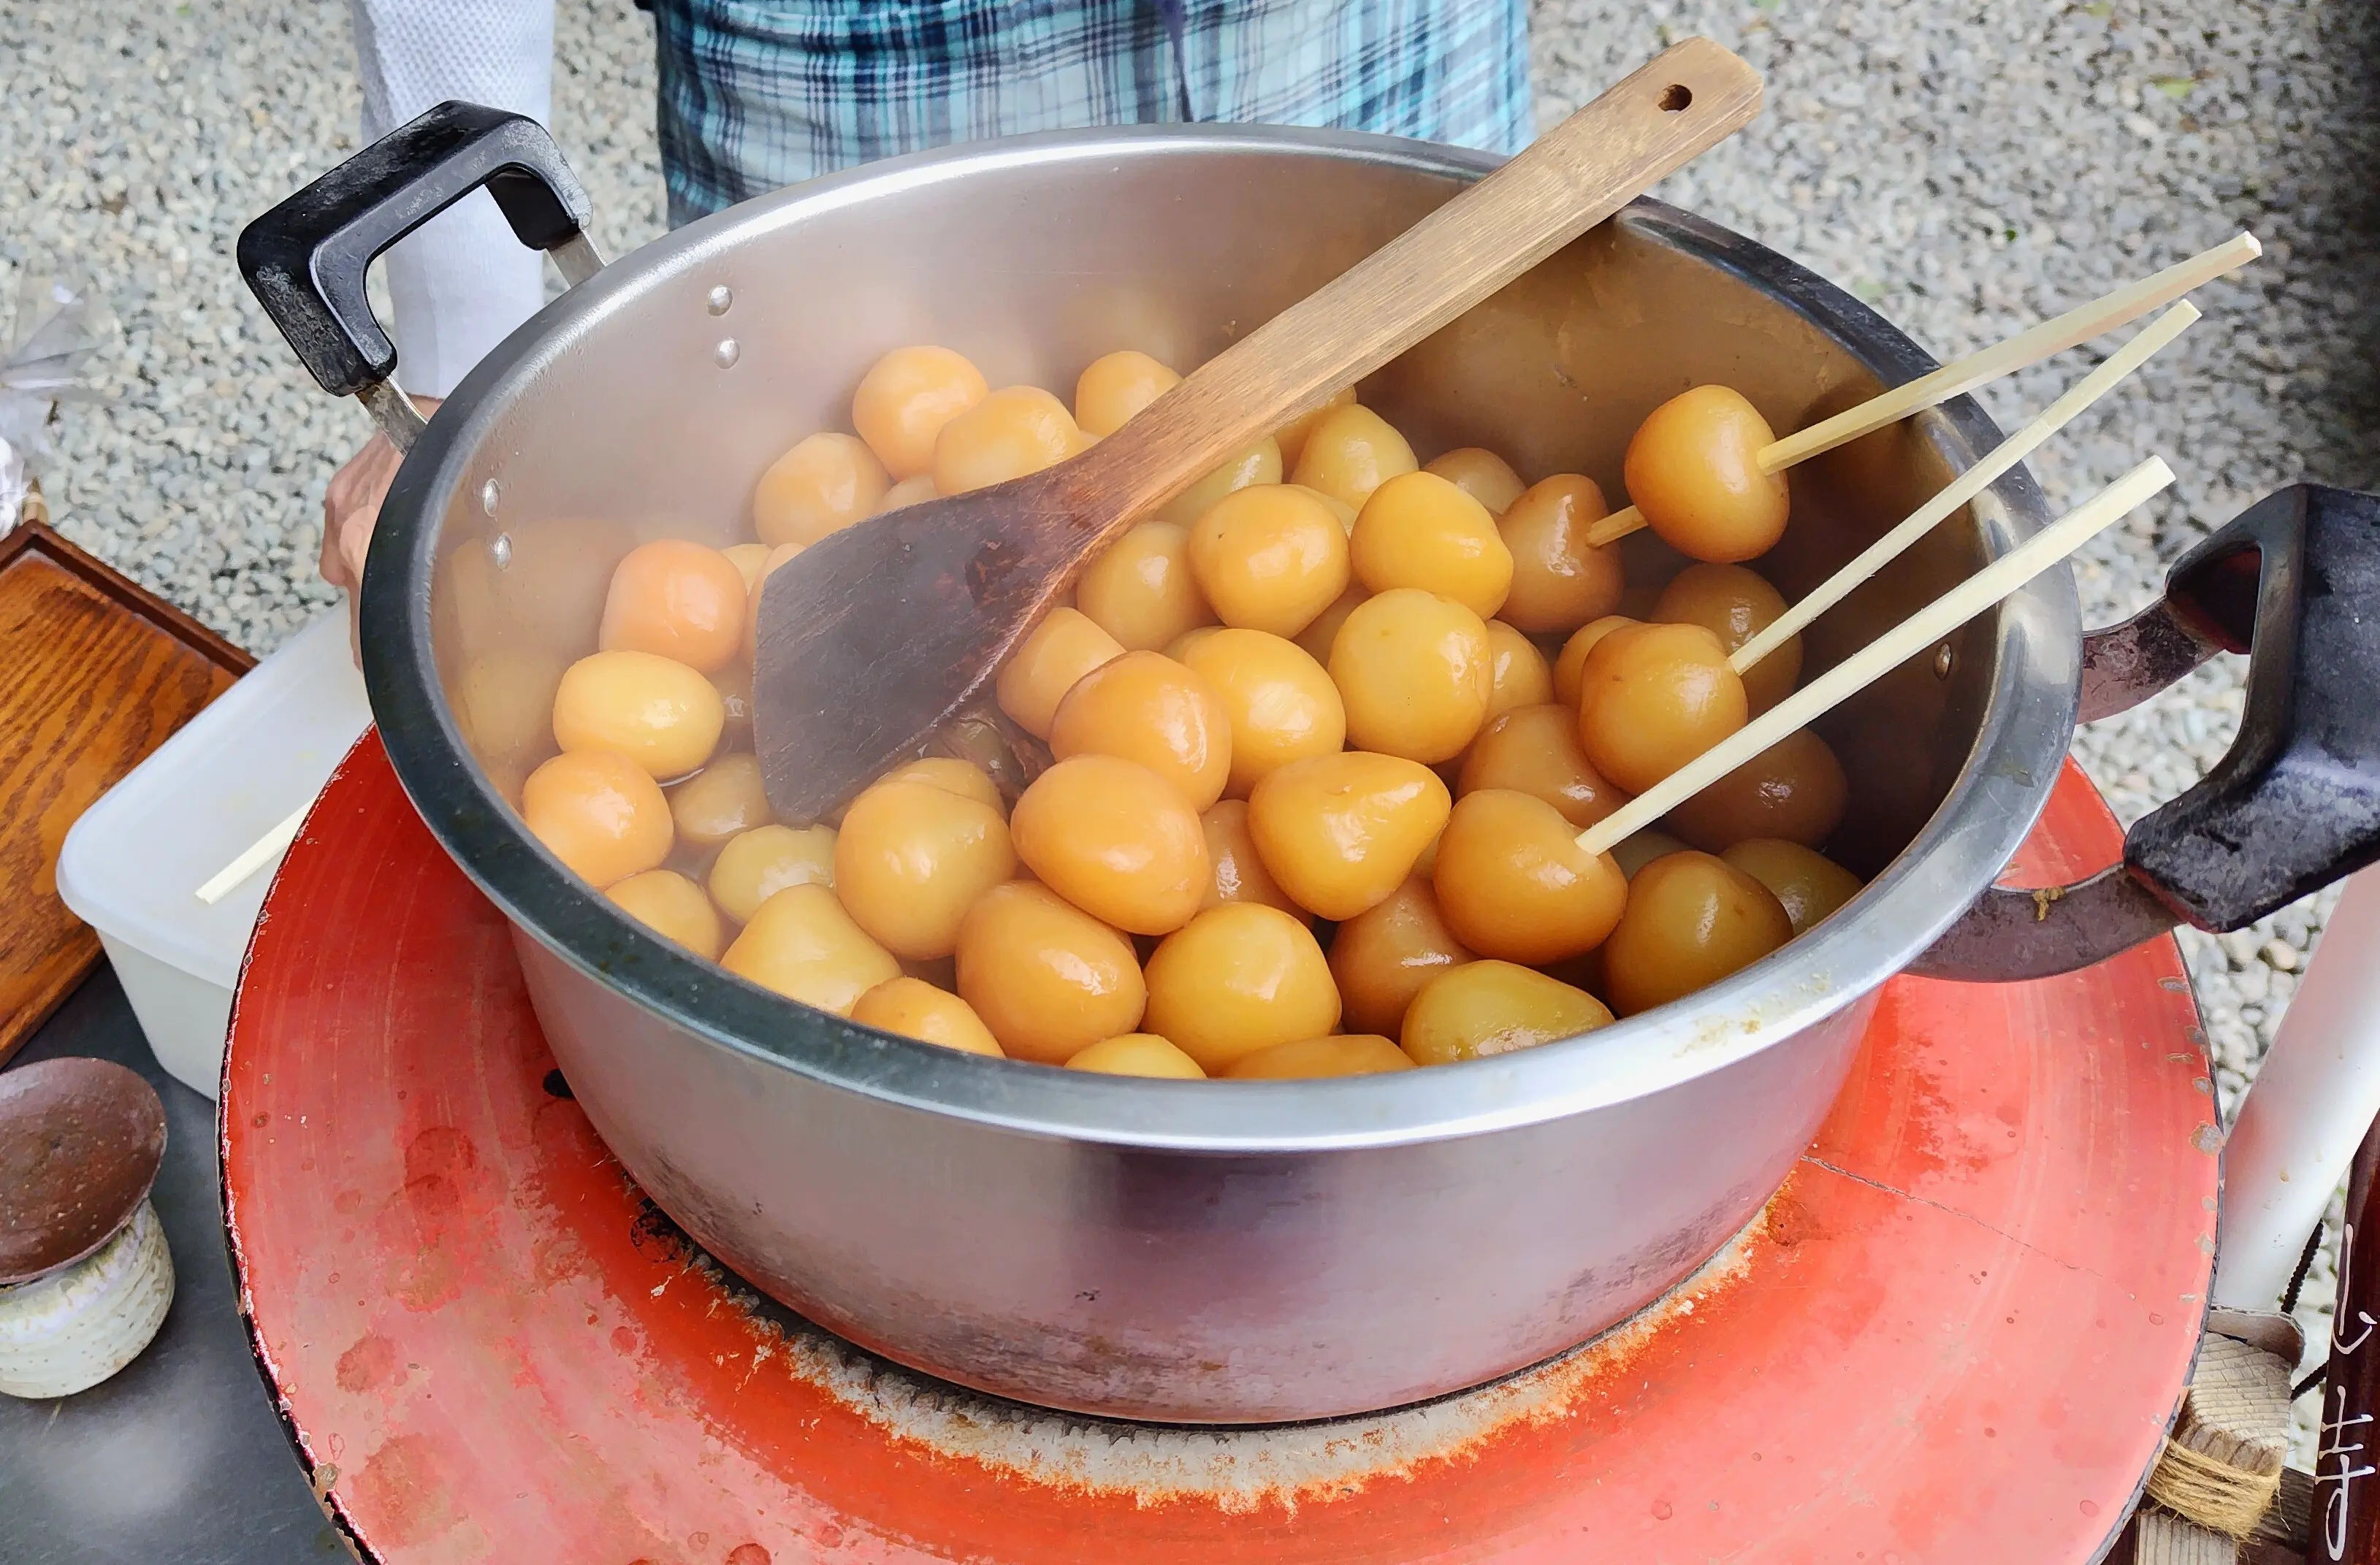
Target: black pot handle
x=2294 y=804
x=306 y=258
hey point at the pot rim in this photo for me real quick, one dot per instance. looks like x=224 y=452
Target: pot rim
x=2028 y=718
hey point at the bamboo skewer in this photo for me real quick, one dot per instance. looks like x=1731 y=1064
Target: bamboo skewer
x=259 y=853
x=1888 y=651
x=2028 y=347
x=1967 y=485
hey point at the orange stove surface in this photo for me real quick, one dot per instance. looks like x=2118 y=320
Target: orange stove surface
x=1956 y=1334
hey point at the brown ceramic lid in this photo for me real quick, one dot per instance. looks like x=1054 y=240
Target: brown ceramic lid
x=80 y=1142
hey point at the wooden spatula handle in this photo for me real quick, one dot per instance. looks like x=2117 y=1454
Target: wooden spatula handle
x=1569 y=179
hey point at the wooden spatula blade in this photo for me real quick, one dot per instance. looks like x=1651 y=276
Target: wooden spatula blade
x=871 y=638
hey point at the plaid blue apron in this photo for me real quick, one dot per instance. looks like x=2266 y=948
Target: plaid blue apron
x=756 y=94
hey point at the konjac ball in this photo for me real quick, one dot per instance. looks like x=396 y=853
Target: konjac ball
x=1419 y=529
x=1145 y=707
x=1513 y=883
x=1560 y=581
x=1691 y=919
x=1795 y=789
x=1015 y=431
x=1652 y=697
x=1486 y=1008
x=1349 y=453
x=1257 y=463
x=915 y=1008
x=1570 y=666
x=1632 y=853
x=757 y=864
x=906 y=397
x=661 y=714
x=1806 y=884
x=1061 y=649
x=1481 y=474
x=1139 y=588
x=1269 y=557
x=673 y=907
x=776 y=560
x=679 y=601
x=1413 y=670
x=1307 y=1058
x=1237 y=868
x=748 y=559
x=952 y=775
x=1337 y=508
x=908 y=492
x=1049 y=979
x=599 y=813
x=801 y=943
x=504 y=703
x=1389 y=952
x=1518 y=674
x=1116 y=840
x=1238 y=979
x=1736 y=604
x=1693 y=469
x=1291 y=437
x=1282 y=706
x=1117 y=385
x=721 y=801
x=824 y=483
x=1317 y=639
x=1535 y=751
x=1137 y=1054
x=1340 y=831
x=910 y=860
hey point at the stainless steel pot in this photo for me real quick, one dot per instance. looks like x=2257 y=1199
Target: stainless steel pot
x=1241 y=1252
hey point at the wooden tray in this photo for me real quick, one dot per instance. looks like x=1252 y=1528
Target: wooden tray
x=95 y=674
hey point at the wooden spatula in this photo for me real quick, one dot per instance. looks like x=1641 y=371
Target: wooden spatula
x=878 y=633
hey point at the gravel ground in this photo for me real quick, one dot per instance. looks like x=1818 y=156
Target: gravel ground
x=1966 y=169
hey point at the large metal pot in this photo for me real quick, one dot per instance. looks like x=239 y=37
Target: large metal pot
x=1241 y=1252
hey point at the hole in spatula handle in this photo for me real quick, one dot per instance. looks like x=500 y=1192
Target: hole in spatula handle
x=1676 y=96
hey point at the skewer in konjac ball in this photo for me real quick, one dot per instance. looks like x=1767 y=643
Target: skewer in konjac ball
x=1560 y=581
x=1692 y=469
x=1691 y=920
x=1795 y=790
x=1653 y=697
x=1736 y=604
x=1514 y=884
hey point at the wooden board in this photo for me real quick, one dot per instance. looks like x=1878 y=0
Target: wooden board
x=1958 y=1333
x=95 y=674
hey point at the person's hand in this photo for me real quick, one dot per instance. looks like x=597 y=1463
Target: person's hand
x=350 y=506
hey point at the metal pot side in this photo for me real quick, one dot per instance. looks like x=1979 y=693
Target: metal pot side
x=1233 y=1252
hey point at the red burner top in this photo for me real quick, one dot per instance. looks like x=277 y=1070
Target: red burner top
x=1956 y=1334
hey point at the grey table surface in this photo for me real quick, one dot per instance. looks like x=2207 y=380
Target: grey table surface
x=180 y=1458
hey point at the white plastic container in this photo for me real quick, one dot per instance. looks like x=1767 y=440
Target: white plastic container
x=132 y=866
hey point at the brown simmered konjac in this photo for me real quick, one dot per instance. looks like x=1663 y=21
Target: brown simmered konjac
x=1321 y=733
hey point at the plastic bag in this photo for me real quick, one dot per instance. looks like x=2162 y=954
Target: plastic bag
x=56 y=331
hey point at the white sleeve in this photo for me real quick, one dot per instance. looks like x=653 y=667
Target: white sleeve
x=461 y=282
